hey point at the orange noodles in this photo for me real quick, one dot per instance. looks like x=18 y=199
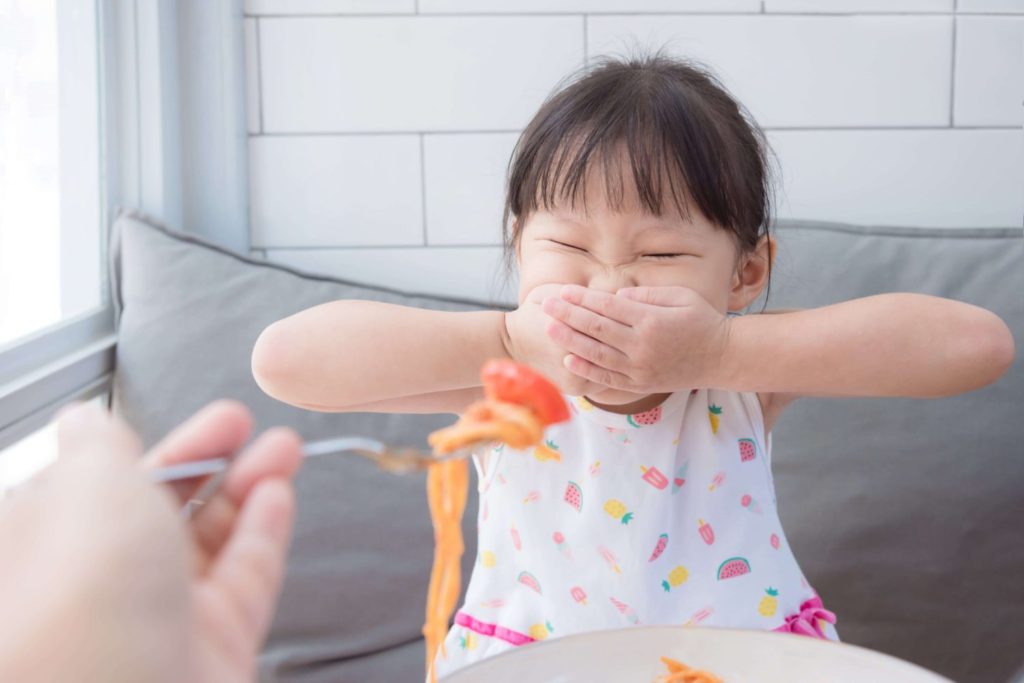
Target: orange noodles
x=447 y=485
x=680 y=673
x=519 y=404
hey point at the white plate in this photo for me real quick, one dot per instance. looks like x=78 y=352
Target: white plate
x=633 y=654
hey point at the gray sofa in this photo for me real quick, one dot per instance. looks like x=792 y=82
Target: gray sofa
x=907 y=515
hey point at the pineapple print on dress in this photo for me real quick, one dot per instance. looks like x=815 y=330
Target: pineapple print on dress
x=617 y=509
x=769 y=603
x=547 y=452
x=676 y=578
x=541 y=631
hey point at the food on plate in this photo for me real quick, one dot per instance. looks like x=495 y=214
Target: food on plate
x=518 y=404
x=681 y=673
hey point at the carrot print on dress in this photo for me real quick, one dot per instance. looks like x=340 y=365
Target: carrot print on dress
x=714 y=416
x=659 y=547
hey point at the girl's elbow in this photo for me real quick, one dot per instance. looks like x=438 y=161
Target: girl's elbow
x=1004 y=349
x=994 y=350
x=270 y=362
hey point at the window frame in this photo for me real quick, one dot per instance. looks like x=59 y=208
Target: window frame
x=74 y=359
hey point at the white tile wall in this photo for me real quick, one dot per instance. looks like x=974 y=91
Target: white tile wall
x=308 y=191
x=380 y=130
x=588 y=6
x=252 y=78
x=1007 y=6
x=465 y=177
x=989 y=81
x=809 y=70
x=848 y=6
x=330 y=6
x=412 y=74
x=938 y=178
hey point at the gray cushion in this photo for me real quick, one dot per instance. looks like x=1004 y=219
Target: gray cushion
x=908 y=515
x=354 y=595
x=905 y=514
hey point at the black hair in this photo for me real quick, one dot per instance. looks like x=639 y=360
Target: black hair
x=676 y=121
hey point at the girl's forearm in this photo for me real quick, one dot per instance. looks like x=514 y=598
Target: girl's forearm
x=900 y=344
x=347 y=353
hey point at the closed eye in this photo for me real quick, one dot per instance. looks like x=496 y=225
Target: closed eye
x=663 y=256
x=570 y=246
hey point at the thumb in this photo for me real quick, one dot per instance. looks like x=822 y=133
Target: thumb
x=84 y=430
x=249 y=570
x=655 y=296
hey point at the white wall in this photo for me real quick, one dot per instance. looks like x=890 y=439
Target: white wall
x=380 y=130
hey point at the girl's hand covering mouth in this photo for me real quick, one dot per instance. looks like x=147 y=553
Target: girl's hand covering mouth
x=526 y=342
x=641 y=339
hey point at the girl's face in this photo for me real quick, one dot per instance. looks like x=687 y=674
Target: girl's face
x=609 y=250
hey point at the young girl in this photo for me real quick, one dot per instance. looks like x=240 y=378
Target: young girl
x=637 y=213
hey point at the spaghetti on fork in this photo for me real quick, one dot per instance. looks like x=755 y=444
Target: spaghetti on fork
x=518 y=405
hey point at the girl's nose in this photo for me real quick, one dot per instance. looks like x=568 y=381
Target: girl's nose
x=611 y=279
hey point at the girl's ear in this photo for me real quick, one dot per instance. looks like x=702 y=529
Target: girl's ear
x=752 y=274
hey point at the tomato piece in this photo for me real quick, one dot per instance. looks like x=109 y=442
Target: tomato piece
x=506 y=380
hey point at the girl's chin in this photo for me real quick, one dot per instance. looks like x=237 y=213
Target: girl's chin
x=614 y=397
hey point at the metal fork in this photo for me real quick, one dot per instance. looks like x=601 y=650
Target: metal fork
x=401 y=460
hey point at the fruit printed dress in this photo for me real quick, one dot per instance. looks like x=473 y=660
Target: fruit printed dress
x=662 y=517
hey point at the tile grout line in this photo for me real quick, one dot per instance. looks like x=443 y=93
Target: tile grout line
x=952 y=70
x=424 y=134
x=259 y=77
x=423 y=187
x=586 y=42
x=541 y=15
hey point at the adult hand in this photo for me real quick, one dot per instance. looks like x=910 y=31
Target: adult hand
x=641 y=339
x=109 y=583
x=528 y=343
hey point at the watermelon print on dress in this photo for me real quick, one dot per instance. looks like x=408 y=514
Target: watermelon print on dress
x=733 y=567
x=748 y=450
x=648 y=417
x=574 y=496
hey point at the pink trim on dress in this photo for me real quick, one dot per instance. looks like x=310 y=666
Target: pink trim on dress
x=807 y=621
x=493 y=630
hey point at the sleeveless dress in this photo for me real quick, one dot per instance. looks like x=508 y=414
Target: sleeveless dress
x=661 y=517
